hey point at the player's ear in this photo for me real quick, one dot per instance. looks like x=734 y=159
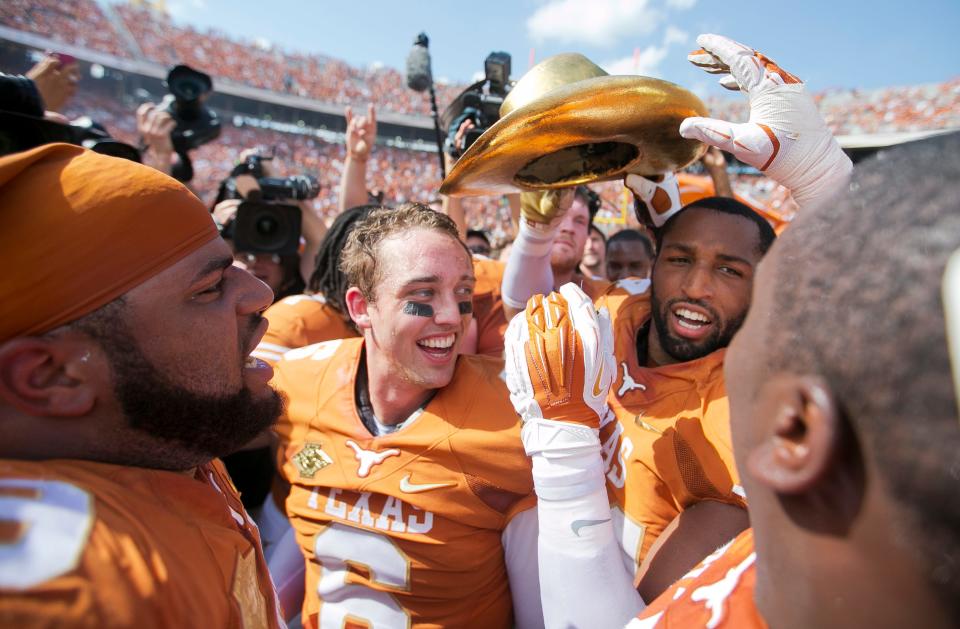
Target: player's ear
x=358 y=307
x=803 y=439
x=48 y=377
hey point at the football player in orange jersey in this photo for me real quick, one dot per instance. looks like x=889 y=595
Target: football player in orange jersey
x=664 y=441
x=410 y=493
x=845 y=417
x=547 y=254
x=124 y=372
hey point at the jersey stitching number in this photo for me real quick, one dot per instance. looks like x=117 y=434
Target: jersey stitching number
x=54 y=520
x=388 y=567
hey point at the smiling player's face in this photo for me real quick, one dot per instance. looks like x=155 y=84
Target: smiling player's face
x=701 y=284
x=417 y=318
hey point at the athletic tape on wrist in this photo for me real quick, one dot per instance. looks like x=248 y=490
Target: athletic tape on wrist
x=557 y=437
x=534 y=239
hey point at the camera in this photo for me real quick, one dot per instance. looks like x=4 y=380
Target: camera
x=264 y=222
x=21 y=132
x=480 y=103
x=197 y=124
x=23 y=126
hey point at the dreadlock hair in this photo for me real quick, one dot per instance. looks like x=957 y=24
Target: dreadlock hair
x=723 y=205
x=327 y=278
x=857 y=300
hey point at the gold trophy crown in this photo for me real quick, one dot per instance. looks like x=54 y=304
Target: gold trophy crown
x=568 y=122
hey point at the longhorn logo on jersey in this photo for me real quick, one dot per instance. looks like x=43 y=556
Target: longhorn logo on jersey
x=628 y=384
x=368 y=458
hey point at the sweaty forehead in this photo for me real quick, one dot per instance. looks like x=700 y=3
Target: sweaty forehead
x=422 y=253
x=708 y=230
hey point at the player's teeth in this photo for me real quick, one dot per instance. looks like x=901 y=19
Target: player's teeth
x=438 y=342
x=250 y=362
x=688 y=325
x=691 y=315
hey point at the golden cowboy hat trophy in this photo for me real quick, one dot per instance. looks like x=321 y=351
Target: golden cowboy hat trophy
x=568 y=122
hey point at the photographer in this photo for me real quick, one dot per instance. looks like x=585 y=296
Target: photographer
x=285 y=271
x=156 y=146
x=55 y=77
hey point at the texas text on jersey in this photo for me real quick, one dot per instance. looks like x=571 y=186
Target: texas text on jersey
x=407 y=528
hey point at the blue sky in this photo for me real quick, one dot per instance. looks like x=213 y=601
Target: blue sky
x=838 y=43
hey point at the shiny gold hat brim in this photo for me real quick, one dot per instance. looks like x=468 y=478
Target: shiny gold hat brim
x=591 y=130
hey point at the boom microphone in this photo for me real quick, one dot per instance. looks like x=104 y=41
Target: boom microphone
x=419 y=76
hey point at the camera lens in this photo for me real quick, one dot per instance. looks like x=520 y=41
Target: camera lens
x=270 y=230
x=187 y=88
x=267 y=226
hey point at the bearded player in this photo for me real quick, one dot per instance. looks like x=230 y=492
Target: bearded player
x=845 y=422
x=125 y=332
x=410 y=493
x=665 y=447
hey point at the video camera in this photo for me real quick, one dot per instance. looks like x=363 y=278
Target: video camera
x=197 y=124
x=23 y=126
x=264 y=222
x=480 y=103
x=20 y=132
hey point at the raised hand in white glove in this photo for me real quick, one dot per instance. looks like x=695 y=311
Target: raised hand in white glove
x=661 y=199
x=785 y=138
x=559 y=368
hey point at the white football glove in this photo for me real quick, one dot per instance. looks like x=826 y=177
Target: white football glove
x=785 y=138
x=559 y=369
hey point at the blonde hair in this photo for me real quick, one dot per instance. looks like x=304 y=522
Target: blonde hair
x=359 y=258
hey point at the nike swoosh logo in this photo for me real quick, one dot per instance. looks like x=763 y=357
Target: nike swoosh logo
x=415 y=488
x=576 y=525
x=596 y=385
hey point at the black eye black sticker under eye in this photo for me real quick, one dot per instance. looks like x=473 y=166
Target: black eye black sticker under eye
x=417 y=309
x=466 y=307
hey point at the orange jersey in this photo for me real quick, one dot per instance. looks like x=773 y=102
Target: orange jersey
x=403 y=529
x=593 y=288
x=670 y=446
x=86 y=544
x=488 y=306
x=718 y=593
x=300 y=320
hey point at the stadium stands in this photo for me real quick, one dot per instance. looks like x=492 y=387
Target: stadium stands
x=399 y=174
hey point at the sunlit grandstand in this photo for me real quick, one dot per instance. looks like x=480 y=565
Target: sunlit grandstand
x=292 y=102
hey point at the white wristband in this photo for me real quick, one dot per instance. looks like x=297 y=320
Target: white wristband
x=566 y=458
x=535 y=239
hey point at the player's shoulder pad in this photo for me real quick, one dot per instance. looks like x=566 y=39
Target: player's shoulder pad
x=624 y=296
x=306 y=365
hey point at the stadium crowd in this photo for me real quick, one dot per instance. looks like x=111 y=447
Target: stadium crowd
x=670 y=402
x=329 y=80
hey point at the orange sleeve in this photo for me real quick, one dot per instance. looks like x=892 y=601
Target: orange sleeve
x=719 y=593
